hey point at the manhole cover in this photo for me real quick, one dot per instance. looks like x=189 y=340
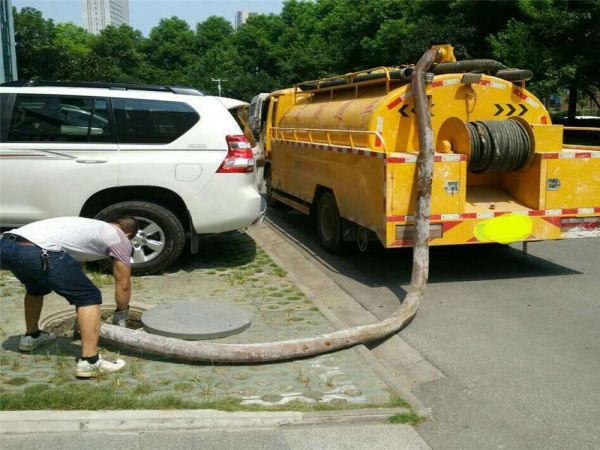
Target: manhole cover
x=196 y=319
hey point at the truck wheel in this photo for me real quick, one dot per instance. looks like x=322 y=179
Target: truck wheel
x=329 y=224
x=160 y=239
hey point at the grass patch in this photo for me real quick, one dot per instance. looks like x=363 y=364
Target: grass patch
x=17 y=381
x=100 y=279
x=410 y=418
x=94 y=396
x=279 y=272
x=183 y=387
x=143 y=389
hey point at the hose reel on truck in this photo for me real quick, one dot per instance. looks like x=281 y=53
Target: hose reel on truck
x=490 y=145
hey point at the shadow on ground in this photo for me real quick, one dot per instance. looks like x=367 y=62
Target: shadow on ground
x=216 y=251
x=378 y=266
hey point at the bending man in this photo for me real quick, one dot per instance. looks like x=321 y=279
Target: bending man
x=45 y=257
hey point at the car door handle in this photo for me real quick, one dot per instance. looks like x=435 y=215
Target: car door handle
x=91 y=161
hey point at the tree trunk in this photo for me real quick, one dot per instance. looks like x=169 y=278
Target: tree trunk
x=572 y=102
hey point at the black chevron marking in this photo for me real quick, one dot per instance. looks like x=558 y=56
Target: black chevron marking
x=523 y=108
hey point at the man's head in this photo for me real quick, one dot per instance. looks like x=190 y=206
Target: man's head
x=129 y=225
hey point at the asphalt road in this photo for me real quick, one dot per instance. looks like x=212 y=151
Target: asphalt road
x=517 y=335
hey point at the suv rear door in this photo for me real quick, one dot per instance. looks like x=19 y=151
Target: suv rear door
x=166 y=143
x=56 y=151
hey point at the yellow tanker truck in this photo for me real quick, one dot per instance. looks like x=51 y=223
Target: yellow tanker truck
x=345 y=149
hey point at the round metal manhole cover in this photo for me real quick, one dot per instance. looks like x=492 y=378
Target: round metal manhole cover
x=196 y=319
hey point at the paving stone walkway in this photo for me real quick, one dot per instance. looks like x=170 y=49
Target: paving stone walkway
x=230 y=268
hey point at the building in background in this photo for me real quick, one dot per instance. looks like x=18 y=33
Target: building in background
x=98 y=14
x=8 y=62
x=242 y=16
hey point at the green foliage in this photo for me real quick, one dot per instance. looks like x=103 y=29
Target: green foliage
x=557 y=39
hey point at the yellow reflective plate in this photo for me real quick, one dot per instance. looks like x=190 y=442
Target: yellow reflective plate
x=504 y=229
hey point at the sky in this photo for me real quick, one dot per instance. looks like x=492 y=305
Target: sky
x=145 y=14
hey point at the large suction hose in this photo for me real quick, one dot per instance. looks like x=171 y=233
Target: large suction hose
x=274 y=351
x=483 y=65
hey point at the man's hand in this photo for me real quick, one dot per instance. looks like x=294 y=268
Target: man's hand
x=122 y=275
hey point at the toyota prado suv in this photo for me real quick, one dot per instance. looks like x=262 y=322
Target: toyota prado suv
x=173 y=158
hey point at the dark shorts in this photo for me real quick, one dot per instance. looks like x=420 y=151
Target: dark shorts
x=63 y=274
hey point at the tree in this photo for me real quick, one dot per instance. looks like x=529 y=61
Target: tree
x=212 y=32
x=559 y=41
x=37 y=57
x=169 y=49
x=119 y=50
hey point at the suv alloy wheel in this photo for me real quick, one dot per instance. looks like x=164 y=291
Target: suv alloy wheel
x=160 y=239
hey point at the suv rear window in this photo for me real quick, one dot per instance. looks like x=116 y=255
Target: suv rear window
x=43 y=118
x=152 y=121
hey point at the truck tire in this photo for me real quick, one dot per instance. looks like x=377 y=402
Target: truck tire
x=329 y=223
x=161 y=237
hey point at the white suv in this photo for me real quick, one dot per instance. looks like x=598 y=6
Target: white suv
x=172 y=157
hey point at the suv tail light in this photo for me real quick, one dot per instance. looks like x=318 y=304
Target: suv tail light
x=240 y=158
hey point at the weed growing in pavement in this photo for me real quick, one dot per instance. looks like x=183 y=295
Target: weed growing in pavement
x=143 y=389
x=279 y=272
x=5 y=359
x=183 y=387
x=100 y=279
x=410 y=418
x=16 y=363
x=17 y=381
x=116 y=381
x=135 y=369
x=329 y=382
x=207 y=390
x=303 y=378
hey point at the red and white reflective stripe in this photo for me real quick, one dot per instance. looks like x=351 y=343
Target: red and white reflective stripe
x=402 y=158
x=571 y=155
x=490 y=214
x=399 y=100
x=448 y=82
x=334 y=148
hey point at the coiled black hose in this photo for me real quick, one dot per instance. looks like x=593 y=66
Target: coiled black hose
x=468 y=65
x=503 y=146
x=483 y=65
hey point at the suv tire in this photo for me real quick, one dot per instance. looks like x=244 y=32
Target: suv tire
x=160 y=240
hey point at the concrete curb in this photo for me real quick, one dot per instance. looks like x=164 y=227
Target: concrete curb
x=397 y=363
x=32 y=422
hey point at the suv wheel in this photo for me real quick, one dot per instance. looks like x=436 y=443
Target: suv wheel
x=160 y=239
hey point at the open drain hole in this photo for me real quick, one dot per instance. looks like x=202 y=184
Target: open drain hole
x=63 y=324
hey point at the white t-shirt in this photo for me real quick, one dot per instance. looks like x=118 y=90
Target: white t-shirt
x=83 y=239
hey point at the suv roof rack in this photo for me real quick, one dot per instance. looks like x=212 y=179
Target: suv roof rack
x=183 y=90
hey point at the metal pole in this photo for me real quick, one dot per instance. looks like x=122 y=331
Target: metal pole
x=218 y=81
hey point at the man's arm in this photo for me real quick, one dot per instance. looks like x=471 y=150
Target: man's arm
x=122 y=274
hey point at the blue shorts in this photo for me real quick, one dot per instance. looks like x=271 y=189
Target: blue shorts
x=62 y=275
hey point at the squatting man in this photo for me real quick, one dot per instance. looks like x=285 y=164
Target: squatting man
x=46 y=255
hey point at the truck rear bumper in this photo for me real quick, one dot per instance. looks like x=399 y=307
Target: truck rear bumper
x=498 y=227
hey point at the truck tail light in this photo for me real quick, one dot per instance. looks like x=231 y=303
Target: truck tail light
x=240 y=158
